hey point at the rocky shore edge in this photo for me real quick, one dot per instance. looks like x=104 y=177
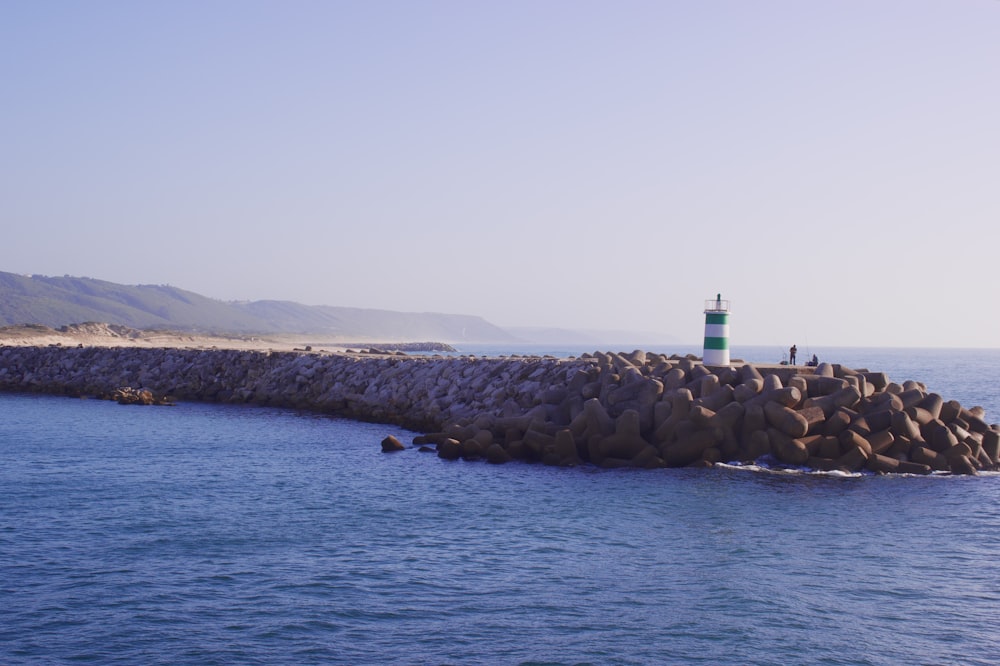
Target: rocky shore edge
x=608 y=409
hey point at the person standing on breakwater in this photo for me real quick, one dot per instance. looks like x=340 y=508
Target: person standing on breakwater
x=791 y=355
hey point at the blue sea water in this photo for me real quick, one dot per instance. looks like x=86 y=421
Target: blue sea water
x=203 y=534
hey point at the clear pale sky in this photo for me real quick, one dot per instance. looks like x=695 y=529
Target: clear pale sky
x=832 y=167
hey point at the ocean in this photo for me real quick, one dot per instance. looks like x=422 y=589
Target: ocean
x=208 y=534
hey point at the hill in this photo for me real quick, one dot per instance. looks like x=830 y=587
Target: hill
x=62 y=301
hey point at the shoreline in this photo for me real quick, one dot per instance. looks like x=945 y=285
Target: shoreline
x=635 y=409
x=111 y=335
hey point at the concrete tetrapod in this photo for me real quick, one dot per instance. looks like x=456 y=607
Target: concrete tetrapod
x=839 y=419
x=639 y=409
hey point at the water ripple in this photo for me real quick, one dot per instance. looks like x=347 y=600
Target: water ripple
x=255 y=536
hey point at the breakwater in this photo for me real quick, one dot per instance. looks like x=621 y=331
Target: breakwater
x=608 y=409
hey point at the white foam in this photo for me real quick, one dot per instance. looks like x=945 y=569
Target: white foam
x=764 y=467
x=759 y=466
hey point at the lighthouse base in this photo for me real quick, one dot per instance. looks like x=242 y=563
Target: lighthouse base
x=715 y=357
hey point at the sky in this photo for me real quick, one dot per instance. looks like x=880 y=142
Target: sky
x=830 y=167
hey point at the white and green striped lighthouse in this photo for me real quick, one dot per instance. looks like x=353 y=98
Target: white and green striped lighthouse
x=716 y=332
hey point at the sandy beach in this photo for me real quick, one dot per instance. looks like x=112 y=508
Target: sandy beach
x=110 y=335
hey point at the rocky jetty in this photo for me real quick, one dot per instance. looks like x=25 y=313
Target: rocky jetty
x=608 y=409
x=642 y=410
x=416 y=392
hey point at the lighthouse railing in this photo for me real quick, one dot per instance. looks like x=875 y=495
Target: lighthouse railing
x=716 y=305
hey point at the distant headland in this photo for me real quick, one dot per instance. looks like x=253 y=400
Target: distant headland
x=55 y=302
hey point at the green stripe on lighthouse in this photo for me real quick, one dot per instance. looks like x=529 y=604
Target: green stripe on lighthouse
x=714 y=318
x=716 y=343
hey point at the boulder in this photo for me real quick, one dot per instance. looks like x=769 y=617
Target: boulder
x=882 y=464
x=626 y=442
x=758 y=444
x=932 y=459
x=497 y=455
x=564 y=446
x=786 y=420
x=449 y=449
x=688 y=449
x=391 y=444
x=787 y=449
x=853 y=460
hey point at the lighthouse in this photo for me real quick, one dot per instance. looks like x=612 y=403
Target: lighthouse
x=716 y=350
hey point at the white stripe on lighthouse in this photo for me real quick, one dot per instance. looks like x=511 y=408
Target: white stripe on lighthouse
x=716 y=330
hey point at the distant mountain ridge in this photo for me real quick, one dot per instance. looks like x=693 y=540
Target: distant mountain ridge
x=61 y=301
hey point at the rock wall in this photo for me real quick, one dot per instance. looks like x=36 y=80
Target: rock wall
x=608 y=409
x=417 y=392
